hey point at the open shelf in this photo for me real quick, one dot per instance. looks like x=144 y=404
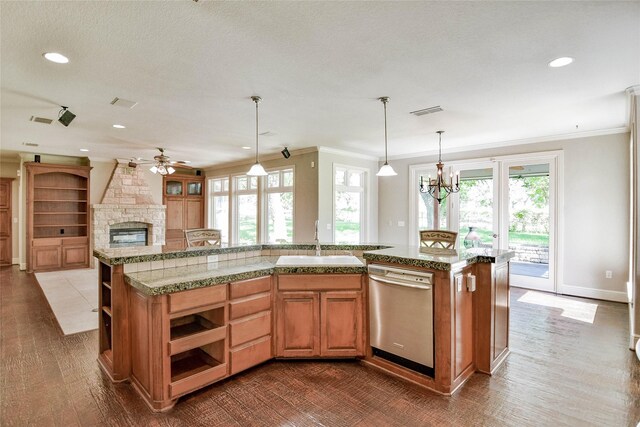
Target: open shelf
x=106 y=310
x=59 y=188
x=195 y=361
x=193 y=324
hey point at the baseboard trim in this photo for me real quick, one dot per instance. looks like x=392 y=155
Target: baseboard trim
x=579 y=291
x=23 y=266
x=15 y=261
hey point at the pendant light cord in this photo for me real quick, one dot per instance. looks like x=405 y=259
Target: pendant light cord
x=440 y=145
x=385 y=132
x=256 y=100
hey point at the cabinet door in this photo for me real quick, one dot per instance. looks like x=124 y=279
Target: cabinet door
x=341 y=324
x=46 y=257
x=194 y=213
x=75 y=256
x=501 y=312
x=174 y=236
x=298 y=324
x=463 y=325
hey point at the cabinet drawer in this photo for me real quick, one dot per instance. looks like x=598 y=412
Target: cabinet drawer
x=196 y=340
x=319 y=282
x=249 y=306
x=245 y=330
x=249 y=287
x=46 y=242
x=75 y=241
x=196 y=381
x=197 y=298
x=250 y=355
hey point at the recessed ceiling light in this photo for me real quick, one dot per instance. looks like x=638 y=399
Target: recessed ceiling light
x=84 y=150
x=560 y=62
x=246 y=148
x=119 y=126
x=56 y=57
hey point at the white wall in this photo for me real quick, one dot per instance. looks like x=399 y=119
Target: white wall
x=326 y=161
x=596 y=208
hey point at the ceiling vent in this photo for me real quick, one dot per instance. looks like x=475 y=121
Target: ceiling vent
x=267 y=133
x=30 y=144
x=119 y=102
x=41 y=120
x=429 y=110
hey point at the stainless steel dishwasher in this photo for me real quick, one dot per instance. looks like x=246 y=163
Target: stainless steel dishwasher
x=401 y=316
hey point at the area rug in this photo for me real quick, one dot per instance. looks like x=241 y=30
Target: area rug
x=73 y=298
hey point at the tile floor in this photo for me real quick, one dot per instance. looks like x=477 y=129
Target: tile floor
x=72 y=295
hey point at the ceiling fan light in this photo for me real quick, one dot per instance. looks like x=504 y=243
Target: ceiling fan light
x=257 y=170
x=170 y=170
x=386 y=170
x=153 y=169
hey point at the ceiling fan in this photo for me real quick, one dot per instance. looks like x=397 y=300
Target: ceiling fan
x=161 y=163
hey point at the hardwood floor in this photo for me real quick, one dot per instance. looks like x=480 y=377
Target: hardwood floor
x=561 y=371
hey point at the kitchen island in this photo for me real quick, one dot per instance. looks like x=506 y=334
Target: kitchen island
x=172 y=322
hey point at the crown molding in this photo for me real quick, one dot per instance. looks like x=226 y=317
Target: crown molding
x=514 y=142
x=633 y=90
x=340 y=152
x=263 y=158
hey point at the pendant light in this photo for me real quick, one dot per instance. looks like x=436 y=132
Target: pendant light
x=256 y=169
x=386 y=169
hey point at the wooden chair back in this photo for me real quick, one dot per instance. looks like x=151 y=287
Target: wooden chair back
x=438 y=241
x=203 y=237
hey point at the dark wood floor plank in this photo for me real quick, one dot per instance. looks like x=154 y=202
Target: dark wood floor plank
x=562 y=372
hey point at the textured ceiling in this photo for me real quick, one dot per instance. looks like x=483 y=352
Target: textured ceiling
x=319 y=67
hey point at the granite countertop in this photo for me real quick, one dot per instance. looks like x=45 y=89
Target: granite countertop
x=169 y=280
x=412 y=256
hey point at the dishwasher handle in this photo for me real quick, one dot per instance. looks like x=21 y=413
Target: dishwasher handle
x=399 y=283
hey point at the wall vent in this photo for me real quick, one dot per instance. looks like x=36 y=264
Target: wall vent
x=41 y=120
x=119 y=102
x=429 y=110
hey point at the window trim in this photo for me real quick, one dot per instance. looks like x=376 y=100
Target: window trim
x=365 y=199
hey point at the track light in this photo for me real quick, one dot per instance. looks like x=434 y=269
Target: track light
x=285 y=153
x=65 y=116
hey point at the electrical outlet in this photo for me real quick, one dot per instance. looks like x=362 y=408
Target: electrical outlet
x=328 y=226
x=608 y=274
x=400 y=223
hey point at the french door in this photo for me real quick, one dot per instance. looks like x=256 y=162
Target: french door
x=503 y=203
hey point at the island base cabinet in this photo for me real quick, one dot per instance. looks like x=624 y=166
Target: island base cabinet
x=320 y=316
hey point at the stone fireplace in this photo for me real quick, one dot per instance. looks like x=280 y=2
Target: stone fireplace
x=127 y=204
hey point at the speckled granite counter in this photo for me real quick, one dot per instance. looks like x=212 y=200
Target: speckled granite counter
x=169 y=280
x=235 y=263
x=411 y=256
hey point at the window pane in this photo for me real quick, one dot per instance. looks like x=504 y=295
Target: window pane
x=217 y=185
x=242 y=183
x=253 y=182
x=347 y=216
x=355 y=179
x=273 y=180
x=220 y=209
x=247 y=218
x=340 y=176
x=287 y=178
x=225 y=184
x=280 y=217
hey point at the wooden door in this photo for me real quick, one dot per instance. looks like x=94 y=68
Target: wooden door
x=341 y=332
x=298 y=324
x=463 y=325
x=5 y=221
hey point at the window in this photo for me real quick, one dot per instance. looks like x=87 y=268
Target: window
x=245 y=219
x=279 y=206
x=219 y=206
x=349 y=204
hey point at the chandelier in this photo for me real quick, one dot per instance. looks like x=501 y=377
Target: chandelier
x=439 y=188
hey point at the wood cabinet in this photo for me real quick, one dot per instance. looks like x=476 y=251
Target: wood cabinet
x=5 y=221
x=183 y=195
x=187 y=340
x=319 y=315
x=491 y=316
x=58 y=225
x=463 y=347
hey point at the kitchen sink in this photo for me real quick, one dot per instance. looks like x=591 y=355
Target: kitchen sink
x=312 y=261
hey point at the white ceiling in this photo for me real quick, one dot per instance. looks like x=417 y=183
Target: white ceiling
x=319 y=67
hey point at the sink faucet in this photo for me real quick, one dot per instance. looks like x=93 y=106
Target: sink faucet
x=315 y=238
